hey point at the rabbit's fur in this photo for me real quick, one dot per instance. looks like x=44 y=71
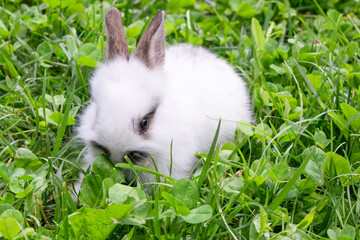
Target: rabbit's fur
x=182 y=91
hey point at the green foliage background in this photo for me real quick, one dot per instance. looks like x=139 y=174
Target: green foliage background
x=293 y=174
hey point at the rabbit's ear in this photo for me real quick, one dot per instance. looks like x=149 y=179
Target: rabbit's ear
x=151 y=47
x=116 y=39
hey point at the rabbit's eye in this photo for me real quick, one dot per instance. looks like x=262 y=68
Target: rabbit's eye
x=143 y=125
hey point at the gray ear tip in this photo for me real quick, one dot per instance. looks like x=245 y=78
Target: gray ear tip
x=112 y=9
x=113 y=12
x=160 y=14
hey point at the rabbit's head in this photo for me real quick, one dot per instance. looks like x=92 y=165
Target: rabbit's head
x=126 y=93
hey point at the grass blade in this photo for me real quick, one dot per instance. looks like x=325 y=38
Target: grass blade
x=209 y=156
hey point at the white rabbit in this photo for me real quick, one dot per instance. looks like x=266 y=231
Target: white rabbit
x=144 y=101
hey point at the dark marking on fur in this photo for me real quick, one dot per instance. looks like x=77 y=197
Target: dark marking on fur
x=151 y=47
x=116 y=39
x=101 y=148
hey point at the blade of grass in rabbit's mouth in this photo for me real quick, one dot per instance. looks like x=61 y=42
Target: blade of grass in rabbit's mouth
x=136 y=155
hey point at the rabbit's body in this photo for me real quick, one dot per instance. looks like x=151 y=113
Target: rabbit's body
x=139 y=108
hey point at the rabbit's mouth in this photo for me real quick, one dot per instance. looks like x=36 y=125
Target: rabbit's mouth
x=136 y=156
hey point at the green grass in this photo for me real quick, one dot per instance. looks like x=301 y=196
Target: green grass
x=293 y=174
